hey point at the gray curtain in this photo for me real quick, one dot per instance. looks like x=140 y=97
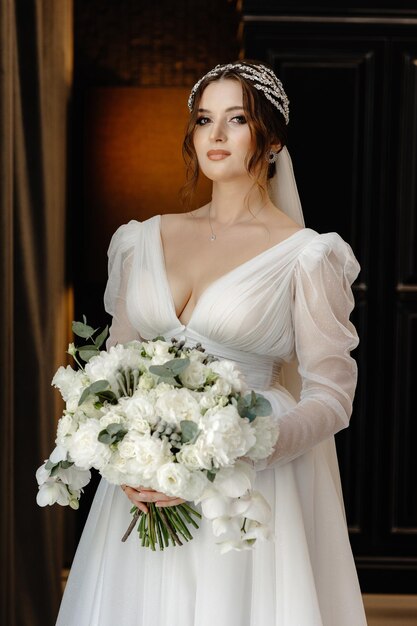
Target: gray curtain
x=35 y=78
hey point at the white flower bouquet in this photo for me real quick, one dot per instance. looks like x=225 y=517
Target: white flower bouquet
x=167 y=417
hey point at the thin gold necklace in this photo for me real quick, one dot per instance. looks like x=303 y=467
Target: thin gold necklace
x=213 y=235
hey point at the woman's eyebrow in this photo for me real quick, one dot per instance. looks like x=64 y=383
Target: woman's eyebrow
x=237 y=108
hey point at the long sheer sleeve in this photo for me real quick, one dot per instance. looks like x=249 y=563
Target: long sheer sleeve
x=120 y=258
x=324 y=338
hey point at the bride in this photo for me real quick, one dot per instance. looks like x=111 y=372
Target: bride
x=243 y=276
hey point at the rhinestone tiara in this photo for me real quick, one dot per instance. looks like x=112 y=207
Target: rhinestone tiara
x=261 y=77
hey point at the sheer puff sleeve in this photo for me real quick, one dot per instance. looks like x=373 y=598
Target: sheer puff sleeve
x=324 y=338
x=120 y=259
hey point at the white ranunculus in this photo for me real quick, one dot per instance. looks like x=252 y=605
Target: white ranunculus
x=196 y=355
x=226 y=434
x=52 y=491
x=194 y=376
x=266 y=432
x=194 y=456
x=70 y=382
x=176 y=405
x=157 y=348
x=229 y=371
x=86 y=450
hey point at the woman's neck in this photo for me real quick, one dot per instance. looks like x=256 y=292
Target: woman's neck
x=231 y=201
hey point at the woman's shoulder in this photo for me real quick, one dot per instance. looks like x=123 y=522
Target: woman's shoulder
x=329 y=249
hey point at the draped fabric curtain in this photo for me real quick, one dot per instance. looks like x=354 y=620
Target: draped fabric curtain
x=35 y=78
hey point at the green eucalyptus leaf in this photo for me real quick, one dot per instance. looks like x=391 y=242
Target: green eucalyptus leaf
x=159 y=338
x=82 y=329
x=108 y=396
x=87 y=352
x=189 y=431
x=95 y=388
x=99 y=340
x=105 y=437
x=99 y=385
x=258 y=404
x=114 y=428
x=54 y=470
x=50 y=464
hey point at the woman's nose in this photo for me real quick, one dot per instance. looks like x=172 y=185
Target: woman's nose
x=217 y=132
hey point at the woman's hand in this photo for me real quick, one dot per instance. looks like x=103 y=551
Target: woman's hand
x=140 y=495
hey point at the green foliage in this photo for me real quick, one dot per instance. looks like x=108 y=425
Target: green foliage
x=252 y=405
x=95 y=389
x=189 y=431
x=112 y=434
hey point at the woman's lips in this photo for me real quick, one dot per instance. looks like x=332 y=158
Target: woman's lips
x=217 y=155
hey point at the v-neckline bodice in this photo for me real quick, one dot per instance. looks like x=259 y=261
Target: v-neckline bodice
x=215 y=283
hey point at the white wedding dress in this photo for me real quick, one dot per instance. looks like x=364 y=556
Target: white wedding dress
x=293 y=298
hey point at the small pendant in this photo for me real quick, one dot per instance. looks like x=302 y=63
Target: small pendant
x=213 y=237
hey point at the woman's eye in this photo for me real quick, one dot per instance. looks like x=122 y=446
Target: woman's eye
x=241 y=119
x=201 y=121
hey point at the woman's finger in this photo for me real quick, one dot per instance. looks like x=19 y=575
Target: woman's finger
x=171 y=502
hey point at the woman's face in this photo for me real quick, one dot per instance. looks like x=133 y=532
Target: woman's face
x=222 y=137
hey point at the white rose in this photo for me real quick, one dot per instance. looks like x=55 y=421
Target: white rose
x=176 y=405
x=158 y=348
x=194 y=376
x=85 y=449
x=221 y=387
x=196 y=355
x=207 y=401
x=229 y=371
x=266 y=432
x=146 y=381
x=70 y=383
x=194 y=456
x=226 y=434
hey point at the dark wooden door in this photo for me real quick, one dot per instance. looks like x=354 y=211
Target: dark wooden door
x=352 y=81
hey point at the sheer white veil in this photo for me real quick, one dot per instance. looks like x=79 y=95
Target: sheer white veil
x=282 y=190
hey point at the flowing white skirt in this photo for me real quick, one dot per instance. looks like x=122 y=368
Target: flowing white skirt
x=305 y=577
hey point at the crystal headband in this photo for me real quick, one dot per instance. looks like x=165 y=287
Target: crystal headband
x=261 y=77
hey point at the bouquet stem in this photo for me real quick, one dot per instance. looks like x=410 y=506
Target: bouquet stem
x=162 y=524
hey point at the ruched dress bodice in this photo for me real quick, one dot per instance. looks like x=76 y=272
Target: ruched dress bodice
x=292 y=301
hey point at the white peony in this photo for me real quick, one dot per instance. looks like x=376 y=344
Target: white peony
x=113 y=415
x=176 y=405
x=226 y=435
x=67 y=426
x=143 y=455
x=194 y=376
x=266 y=432
x=70 y=383
x=139 y=407
x=195 y=456
x=228 y=370
x=85 y=449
